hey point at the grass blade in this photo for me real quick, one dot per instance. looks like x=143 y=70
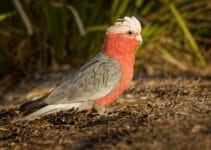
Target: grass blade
x=6 y=15
x=187 y=33
x=168 y=57
x=23 y=16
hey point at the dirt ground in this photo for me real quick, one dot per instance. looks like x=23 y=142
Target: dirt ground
x=156 y=112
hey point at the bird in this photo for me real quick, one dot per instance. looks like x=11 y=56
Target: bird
x=101 y=80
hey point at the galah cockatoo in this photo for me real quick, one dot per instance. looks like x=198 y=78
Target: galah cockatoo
x=102 y=79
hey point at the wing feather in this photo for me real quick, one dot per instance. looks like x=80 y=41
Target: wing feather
x=94 y=80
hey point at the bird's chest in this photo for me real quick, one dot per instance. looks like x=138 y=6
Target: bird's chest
x=127 y=72
x=127 y=75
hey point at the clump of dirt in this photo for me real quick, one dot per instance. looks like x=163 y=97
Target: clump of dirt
x=154 y=113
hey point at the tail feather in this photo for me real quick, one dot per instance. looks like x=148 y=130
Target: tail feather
x=49 y=109
x=32 y=106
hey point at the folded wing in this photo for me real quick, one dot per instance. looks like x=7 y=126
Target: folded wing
x=94 y=80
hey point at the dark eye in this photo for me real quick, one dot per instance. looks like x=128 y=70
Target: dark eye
x=129 y=32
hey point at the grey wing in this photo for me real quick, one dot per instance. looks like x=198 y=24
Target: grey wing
x=94 y=80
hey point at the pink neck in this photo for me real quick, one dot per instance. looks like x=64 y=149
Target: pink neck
x=120 y=47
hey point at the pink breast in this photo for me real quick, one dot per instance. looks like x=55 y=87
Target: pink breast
x=127 y=75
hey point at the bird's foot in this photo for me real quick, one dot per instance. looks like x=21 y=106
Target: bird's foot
x=102 y=110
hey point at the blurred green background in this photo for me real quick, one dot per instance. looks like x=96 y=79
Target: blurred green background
x=46 y=35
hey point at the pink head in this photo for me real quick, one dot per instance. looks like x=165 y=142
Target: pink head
x=123 y=37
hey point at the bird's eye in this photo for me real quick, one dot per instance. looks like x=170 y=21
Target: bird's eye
x=129 y=32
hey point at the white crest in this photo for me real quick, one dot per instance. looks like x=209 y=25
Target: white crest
x=126 y=24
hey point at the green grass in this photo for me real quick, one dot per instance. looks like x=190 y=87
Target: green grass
x=72 y=32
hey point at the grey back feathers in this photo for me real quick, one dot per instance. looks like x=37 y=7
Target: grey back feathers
x=94 y=80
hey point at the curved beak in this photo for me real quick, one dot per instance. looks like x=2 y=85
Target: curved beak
x=139 y=38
